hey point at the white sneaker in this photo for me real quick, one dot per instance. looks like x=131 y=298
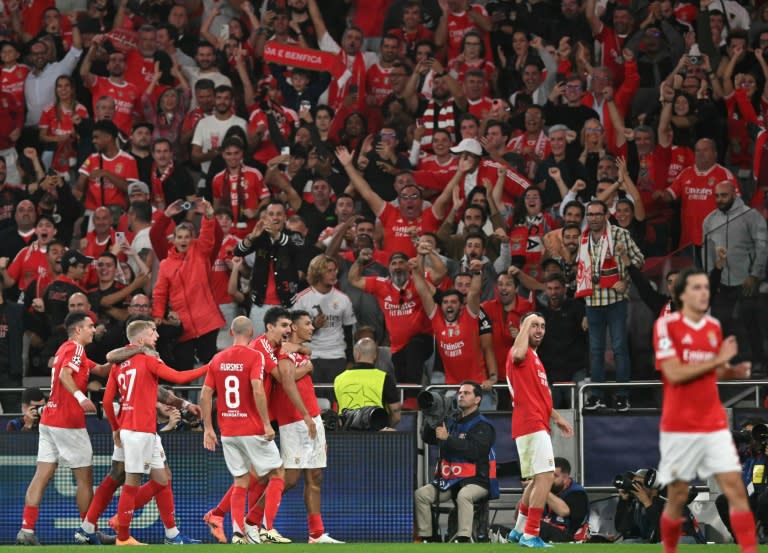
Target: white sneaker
x=238 y=538
x=251 y=534
x=272 y=536
x=325 y=538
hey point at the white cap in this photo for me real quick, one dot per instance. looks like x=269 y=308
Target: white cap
x=468 y=145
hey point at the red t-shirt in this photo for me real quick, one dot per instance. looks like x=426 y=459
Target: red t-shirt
x=397 y=237
x=65 y=154
x=126 y=96
x=242 y=190
x=692 y=406
x=403 y=312
x=282 y=407
x=460 y=24
x=460 y=69
x=230 y=374
x=480 y=108
x=62 y=409
x=532 y=399
x=501 y=321
x=287 y=121
x=613 y=44
x=430 y=163
x=29 y=264
x=377 y=83
x=459 y=346
x=123 y=165
x=12 y=81
x=220 y=272
x=696 y=192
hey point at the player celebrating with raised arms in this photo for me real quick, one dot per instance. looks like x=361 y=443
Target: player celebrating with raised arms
x=694 y=440
x=134 y=430
x=533 y=410
x=236 y=375
x=63 y=437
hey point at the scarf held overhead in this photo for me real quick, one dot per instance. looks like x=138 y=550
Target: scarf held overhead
x=606 y=274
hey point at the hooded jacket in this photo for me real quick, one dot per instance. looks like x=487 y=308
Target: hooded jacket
x=742 y=232
x=183 y=284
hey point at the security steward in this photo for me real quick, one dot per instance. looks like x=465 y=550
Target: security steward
x=466 y=470
x=364 y=385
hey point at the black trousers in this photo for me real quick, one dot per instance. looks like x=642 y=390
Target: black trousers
x=203 y=347
x=409 y=361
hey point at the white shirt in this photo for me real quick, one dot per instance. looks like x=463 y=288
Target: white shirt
x=194 y=74
x=210 y=131
x=327 y=342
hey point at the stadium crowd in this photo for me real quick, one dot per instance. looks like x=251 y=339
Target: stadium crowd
x=422 y=172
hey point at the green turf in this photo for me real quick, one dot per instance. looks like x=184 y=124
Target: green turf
x=395 y=548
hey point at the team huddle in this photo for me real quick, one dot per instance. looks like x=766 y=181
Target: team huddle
x=255 y=381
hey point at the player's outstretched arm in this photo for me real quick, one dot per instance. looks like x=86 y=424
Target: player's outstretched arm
x=165 y=372
x=209 y=435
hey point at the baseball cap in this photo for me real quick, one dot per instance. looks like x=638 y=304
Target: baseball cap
x=32 y=394
x=468 y=145
x=137 y=187
x=398 y=255
x=72 y=258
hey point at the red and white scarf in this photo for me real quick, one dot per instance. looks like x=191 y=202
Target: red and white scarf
x=607 y=268
x=158 y=193
x=339 y=88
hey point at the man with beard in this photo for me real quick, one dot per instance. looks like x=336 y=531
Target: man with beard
x=567 y=261
x=474 y=250
x=269 y=115
x=531 y=416
x=168 y=182
x=14 y=238
x=301 y=24
x=533 y=144
x=743 y=231
x=611 y=37
x=474 y=218
x=564 y=348
x=210 y=130
x=206 y=68
x=205 y=100
x=126 y=94
x=456 y=329
x=573 y=212
x=139 y=148
x=344 y=210
x=377 y=79
x=567 y=509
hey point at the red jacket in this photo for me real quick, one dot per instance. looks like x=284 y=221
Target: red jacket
x=183 y=282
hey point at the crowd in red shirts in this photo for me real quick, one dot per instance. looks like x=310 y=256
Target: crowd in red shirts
x=484 y=156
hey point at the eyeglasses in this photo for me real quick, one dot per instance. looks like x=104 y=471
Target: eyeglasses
x=409 y=196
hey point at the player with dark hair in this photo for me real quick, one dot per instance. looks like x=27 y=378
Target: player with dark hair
x=533 y=410
x=63 y=437
x=691 y=355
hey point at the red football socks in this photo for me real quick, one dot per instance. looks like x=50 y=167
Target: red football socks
x=165 y=505
x=30 y=518
x=533 y=524
x=743 y=524
x=101 y=498
x=315 y=523
x=225 y=504
x=274 y=495
x=255 y=491
x=146 y=493
x=238 y=496
x=125 y=511
x=671 y=529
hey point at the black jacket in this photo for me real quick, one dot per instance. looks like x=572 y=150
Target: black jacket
x=287 y=255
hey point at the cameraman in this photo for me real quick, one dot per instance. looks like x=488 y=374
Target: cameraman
x=567 y=510
x=464 y=470
x=753 y=457
x=32 y=399
x=638 y=511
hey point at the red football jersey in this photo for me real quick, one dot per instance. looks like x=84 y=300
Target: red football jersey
x=98 y=194
x=29 y=264
x=460 y=24
x=264 y=346
x=430 y=163
x=136 y=379
x=696 y=192
x=531 y=397
x=480 y=108
x=282 y=408
x=403 y=312
x=377 y=83
x=501 y=321
x=230 y=374
x=692 y=406
x=12 y=81
x=126 y=96
x=287 y=121
x=242 y=190
x=62 y=409
x=459 y=346
x=397 y=236
x=58 y=122
x=220 y=272
x=460 y=68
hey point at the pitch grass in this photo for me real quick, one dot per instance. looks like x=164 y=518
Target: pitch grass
x=393 y=548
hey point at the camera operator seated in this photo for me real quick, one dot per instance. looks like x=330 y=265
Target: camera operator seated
x=364 y=385
x=752 y=443
x=639 y=509
x=466 y=470
x=32 y=400
x=566 y=513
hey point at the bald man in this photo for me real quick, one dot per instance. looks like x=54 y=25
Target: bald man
x=741 y=230
x=364 y=385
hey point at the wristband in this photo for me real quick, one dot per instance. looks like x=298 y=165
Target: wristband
x=79 y=396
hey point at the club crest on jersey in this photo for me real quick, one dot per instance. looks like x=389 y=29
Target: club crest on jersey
x=119 y=168
x=712 y=339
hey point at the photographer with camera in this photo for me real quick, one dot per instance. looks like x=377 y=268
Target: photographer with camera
x=466 y=469
x=641 y=502
x=752 y=444
x=32 y=402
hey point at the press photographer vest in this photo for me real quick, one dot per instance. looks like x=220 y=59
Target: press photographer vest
x=358 y=388
x=454 y=469
x=564 y=522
